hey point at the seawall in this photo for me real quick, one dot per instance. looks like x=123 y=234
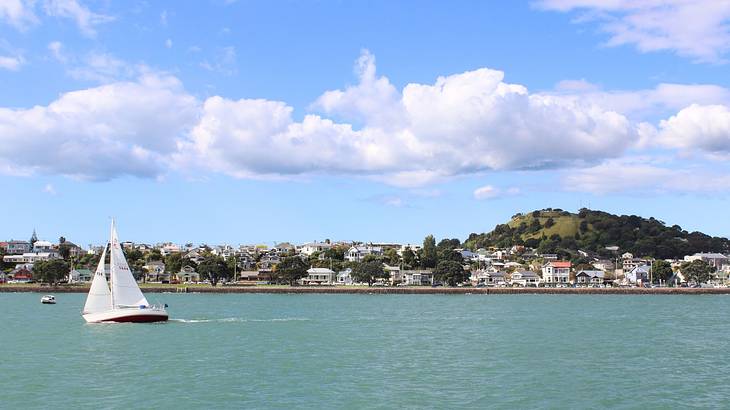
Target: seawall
x=385 y=290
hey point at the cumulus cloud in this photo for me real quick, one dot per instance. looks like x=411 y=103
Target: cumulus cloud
x=697 y=29
x=698 y=127
x=125 y=128
x=56 y=49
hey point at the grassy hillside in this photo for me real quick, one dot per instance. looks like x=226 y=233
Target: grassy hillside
x=558 y=231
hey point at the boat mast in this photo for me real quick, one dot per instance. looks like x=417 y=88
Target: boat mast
x=111 y=262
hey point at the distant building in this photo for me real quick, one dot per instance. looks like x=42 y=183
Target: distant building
x=12 y=247
x=358 y=253
x=80 y=276
x=590 y=277
x=418 y=277
x=319 y=276
x=310 y=248
x=716 y=260
x=525 y=278
x=556 y=272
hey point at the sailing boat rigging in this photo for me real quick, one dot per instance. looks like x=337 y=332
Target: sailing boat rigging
x=119 y=299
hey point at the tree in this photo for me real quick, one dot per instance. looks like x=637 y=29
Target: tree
x=50 y=271
x=697 y=271
x=155 y=255
x=451 y=272
x=391 y=256
x=173 y=262
x=368 y=272
x=661 y=270
x=409 y=258
x=550 y=222
x=428 y=253
x=214 y=268
x=291 y=269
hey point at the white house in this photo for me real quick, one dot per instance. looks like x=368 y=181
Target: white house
x=525 y=278
x=80 y=276
x=716 y=260
x=556 y=272
x=344 y=277
x=358 y=253
x=319 y=276
x=312 y=247
x=640 y=274
x=30 y=257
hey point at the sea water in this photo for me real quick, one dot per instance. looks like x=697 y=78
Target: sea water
x=371 y=351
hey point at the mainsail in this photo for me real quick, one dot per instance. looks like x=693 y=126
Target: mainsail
x=100 y=298
x=125 y=291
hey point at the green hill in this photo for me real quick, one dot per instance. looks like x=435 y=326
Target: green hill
x=558 y=231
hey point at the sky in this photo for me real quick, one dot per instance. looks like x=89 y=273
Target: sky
x=220 y=121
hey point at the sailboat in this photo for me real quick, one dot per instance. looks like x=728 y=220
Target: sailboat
x=119 y=299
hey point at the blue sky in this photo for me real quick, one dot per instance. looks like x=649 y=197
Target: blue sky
x=256 y=122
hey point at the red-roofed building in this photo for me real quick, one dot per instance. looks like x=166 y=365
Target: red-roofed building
x=556 y=272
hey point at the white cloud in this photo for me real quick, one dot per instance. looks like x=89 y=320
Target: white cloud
x=699 y=29
x=645 y=177
x=18 y=13
x=168 y=43
x=11 y=63
x=163 y=18
x=486 y=192
x=662 y=100
x=491 y=192
x=125 y=128
x=698 y=127
x=85 y=19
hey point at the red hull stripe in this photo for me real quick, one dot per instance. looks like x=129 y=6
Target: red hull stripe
x=138 y=319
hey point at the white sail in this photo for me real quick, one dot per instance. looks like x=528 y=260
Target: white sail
x=125 y=291
x=99 y=298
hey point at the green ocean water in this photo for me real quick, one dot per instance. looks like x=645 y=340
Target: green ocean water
x=372 y=351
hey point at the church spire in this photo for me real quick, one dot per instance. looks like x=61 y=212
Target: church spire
x=33 y=238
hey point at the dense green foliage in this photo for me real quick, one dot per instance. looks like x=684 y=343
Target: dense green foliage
x=594 y=231
x=661 y=270
x=428 y=253
x=368 y=272
x=450 y=272
x=697 y=271
x=50 y=271
x=214 y=268
x=291 y=269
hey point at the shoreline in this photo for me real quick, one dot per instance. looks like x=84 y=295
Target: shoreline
x=381 y=290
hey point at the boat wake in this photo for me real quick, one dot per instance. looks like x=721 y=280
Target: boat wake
x=239 y=320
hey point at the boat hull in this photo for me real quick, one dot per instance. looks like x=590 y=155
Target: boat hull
x=146 y=315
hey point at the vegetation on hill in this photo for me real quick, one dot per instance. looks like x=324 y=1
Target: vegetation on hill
x=562 y=232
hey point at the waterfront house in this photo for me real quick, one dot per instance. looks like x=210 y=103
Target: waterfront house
x=525 y=278
x=556 y=272
x=319 y=276
x=80 y=276
x=30 y=257
x=590 y=277
x=344 y=277
x=187 y=274
x=418 y=277
x=639 y=274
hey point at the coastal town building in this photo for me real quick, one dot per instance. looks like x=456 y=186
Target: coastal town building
x=418 y=277
x=590 y=277
x=525 y=278
x=556 y=272
x=319 y=276
x=716 y=260
x=13 y=247
x=358 y=253
x=311 y=247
